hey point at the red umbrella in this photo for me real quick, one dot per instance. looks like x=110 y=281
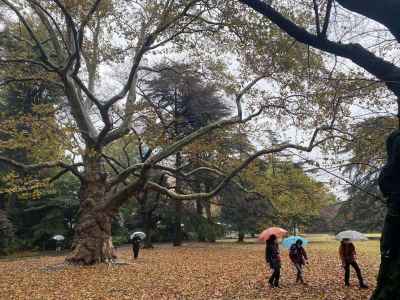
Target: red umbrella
x=279 y=232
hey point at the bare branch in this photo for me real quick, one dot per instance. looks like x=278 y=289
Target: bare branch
x=41 y=166
x=279 y=148
x=42 y=13
x=125 y=174
x=246 y=89
x=71 y=28
x=88 y=93
x=382 y=69
x=327 y=19
x=43 y=53
x=316 y=12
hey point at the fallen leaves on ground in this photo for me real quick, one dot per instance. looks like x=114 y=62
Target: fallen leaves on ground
x=194 y=271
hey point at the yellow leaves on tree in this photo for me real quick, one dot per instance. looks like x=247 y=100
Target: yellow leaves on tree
x=33 y=137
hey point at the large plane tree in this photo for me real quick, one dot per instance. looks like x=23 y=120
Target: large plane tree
x=74 y=43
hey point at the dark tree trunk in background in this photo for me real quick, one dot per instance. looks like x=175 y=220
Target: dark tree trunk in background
x=211 y=232
x=148 y=229
x=6 y=231
x=241 y=237
x=178 y=235
x=201 y=234
x=199 y=208
x=146 y=215
x=177 y=224
x=148 y=243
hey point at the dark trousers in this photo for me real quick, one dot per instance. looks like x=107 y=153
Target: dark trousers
x=347 y=272
x=276 y=274
x=299 y=269
x=135 y=252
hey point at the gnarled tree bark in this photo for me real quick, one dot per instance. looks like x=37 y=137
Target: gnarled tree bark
x=92 y=241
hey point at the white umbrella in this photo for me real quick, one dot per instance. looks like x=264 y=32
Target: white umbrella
x=139 y=234
x=58 y=237
x=351 y=235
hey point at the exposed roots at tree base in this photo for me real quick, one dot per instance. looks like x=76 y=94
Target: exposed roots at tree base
x=92 y=251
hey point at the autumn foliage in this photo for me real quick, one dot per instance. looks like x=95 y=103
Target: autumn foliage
x=195 y=271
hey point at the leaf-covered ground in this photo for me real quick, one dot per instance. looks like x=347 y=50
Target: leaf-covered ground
x=195 y=271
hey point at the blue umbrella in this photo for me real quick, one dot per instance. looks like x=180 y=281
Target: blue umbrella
x=289 y=241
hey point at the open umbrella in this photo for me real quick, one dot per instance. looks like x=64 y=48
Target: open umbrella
x=139 y=234
x=289 y=241
x=279 y=232
x=351 y=235
x=58 y=237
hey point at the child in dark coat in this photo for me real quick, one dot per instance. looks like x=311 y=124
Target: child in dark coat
x=273 y=259
x=347 y=254
x=298 y=256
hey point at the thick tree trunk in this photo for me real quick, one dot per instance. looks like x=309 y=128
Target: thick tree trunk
x=388 y=286
x=93 y=241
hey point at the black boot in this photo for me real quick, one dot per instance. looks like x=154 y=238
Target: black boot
x=270 y=281
x=363 y=286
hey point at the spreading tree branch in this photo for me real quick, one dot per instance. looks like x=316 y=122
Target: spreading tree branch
x=40 y=166
x=382 y=69
x=276 y=149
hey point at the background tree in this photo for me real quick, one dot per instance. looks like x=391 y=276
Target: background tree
x=185 y=102
x=242 y=212
x=365 y=210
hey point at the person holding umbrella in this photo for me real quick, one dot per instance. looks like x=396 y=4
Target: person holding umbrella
x=59 y=241
x=136 y=238
x=273 y=259
x=298 y=256
x=347 y=253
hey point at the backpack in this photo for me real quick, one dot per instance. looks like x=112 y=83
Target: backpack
x=293 y=252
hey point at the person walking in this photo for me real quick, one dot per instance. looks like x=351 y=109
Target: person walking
x=298 y=256
x=136 y=246
x=273 y=258
x=347 y=253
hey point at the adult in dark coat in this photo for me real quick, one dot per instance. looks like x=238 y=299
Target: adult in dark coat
x=347 y=253
x=298 y=256
x=273 y=258
x=135 y=246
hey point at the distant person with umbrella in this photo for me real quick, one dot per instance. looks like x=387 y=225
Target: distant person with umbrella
x=298 y=256
x=59 y=241
x=347 y=253
x=136 y=238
